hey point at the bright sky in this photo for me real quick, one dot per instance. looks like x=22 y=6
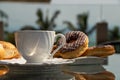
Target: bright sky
x=85 y=1
x=21 y=14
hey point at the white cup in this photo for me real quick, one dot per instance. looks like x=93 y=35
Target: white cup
x=35 y=45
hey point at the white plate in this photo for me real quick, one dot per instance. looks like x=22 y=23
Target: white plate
x=51 y=70
x=20 y=60
x=47 y=61
x=79 y=60
x=87 y=65
x=89 y=60
x=47 y=67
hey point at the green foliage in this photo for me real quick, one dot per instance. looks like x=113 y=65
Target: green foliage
x=3 y=15
x=82 y=22
x=46 y=24
x=9 y=36
x=28 y=27
x=114 y=33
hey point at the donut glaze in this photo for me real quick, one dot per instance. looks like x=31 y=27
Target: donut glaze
x=74 y=39
x=76 y=44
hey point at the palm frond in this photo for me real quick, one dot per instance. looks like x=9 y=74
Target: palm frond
x=70 y=25
x=61 y=30
x=3 y=14
x=55 y=15
x=91 y=30
x=40 y=15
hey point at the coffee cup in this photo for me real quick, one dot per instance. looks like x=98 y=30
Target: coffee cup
x=36 y=45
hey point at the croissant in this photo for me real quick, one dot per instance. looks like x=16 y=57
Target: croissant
x=8 y=51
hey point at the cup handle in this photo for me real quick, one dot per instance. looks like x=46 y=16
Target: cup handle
x=64 y=41
x=3 y=70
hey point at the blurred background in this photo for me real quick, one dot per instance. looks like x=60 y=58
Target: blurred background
x=100 y=20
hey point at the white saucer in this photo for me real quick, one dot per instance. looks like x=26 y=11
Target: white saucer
x=87 y=65
x=88 y=60
x=20 y=60
x=51 y=70
x=23 y=62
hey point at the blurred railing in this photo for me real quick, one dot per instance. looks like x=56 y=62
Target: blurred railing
x=1 y=30
x=116 y=45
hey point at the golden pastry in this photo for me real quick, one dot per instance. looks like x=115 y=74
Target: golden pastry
x=100 y=51
x=8 y=50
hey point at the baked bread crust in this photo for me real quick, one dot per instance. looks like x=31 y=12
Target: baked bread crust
x=100 y=51
x=9 y=51
x=2 y=51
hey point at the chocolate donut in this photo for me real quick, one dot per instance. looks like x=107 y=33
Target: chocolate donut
x=76 y=44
